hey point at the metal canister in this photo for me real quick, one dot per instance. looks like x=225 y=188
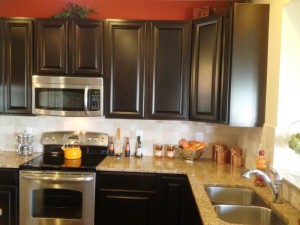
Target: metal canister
x=236 y=156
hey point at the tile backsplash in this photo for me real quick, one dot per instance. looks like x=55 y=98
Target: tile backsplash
x=152 y=131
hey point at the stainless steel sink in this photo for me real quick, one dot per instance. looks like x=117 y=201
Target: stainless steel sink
x=242 y=206
x=252 y=215
x=233 y=196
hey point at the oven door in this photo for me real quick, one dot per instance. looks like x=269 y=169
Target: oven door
x=57 y=198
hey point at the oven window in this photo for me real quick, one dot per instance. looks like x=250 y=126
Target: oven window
x=56 y=203
x=59 y=99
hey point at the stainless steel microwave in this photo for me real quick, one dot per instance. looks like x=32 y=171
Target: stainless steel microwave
x=67 y=96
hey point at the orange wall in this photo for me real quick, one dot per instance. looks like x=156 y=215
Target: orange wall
x=120 y=9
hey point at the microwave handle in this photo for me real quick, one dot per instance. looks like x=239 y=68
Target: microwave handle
x=86 y=89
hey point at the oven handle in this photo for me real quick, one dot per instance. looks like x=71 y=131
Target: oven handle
x=55 y=178
x=85 y=101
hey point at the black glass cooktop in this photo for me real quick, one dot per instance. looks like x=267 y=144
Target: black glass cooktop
x=56 y=161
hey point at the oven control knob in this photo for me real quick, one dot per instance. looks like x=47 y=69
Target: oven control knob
x=53 y=138
x=46 y=138
x=89 y=139
x=96 y=139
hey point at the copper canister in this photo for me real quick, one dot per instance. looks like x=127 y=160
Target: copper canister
x=221 y=154
x=236 y=156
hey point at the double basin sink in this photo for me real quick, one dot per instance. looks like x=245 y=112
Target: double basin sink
x=241 y=206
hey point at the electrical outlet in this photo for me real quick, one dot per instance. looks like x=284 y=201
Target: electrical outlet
x=199 y=136
x=139 y=133
x=29 y=130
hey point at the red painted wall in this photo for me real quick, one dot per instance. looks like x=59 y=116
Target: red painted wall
x=119 y=9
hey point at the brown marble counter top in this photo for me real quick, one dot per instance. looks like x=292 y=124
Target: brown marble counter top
x=11 y=159
x=200 y=174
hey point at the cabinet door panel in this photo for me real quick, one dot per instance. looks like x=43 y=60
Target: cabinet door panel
x=51 y=47
x=206 y=69
x=86 y=45
x=176 y=204
x=169 y=69
x=1 y=66
x=17 y=66
x=8 y=205
x=126 y=54
x=126 y=208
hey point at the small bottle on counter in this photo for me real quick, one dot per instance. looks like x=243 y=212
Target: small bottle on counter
x=261 y=164
x=138 y=152
x=158 y=151
x=111 y=148
x=127 y=148
x=170 y=152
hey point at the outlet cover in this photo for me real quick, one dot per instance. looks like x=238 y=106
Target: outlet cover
x=199 y=136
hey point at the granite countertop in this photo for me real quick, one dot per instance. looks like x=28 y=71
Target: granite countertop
x=11 y=159
x=200 y=174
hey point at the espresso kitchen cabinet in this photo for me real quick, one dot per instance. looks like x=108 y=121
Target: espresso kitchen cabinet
x=125 y=198
x=9 y=196
x=69 y=47
x=176 y=205
x=15 y=65
x=147 y=69
x=229 y=66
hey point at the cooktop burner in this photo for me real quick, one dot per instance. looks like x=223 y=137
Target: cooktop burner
x=93 y=147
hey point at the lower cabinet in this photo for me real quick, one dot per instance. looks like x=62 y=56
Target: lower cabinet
x=144 y=198
x=8 y=196
x=176 y=202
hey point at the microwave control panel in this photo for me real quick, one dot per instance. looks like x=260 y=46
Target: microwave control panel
x=94 y=98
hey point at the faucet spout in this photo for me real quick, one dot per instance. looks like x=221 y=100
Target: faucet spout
x=276 y=188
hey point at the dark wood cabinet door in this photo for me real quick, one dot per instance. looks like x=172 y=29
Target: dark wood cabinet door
x=86 y=47
x=17 y=65
x=169 y=69
x=126 y=208
x=177 y=205
x=126 y=69
x=248 y=72
x=207 y=70
x=51 y=44
x=8 y=205
x=1 y=66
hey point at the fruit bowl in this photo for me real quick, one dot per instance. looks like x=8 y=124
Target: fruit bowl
x=190 y=155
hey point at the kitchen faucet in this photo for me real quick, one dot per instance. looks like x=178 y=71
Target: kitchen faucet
x=276 y=188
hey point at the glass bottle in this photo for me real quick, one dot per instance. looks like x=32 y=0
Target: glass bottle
x=138 y=152
x=261 y=164
x=127 y=148
x=111 y=148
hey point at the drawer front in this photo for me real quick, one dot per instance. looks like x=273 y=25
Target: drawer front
x=9 y=176
x=131 y=181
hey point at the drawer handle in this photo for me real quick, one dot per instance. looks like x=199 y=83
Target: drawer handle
x=0 y=212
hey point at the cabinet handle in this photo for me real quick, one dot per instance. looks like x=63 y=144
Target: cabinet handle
x=0 y=212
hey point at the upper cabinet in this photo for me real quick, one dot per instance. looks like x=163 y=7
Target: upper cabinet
x=169 y=71
x=65 y=47
x=15 y=65
x=125 y=68
x=147 y=69
x=229 y=66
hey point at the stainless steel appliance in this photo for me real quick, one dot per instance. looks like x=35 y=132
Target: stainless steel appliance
x=59 y=191
x=67 y=96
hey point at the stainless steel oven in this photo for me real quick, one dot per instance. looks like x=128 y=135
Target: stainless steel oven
x=57 y=198
x=67 y=96
x=59 y=191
